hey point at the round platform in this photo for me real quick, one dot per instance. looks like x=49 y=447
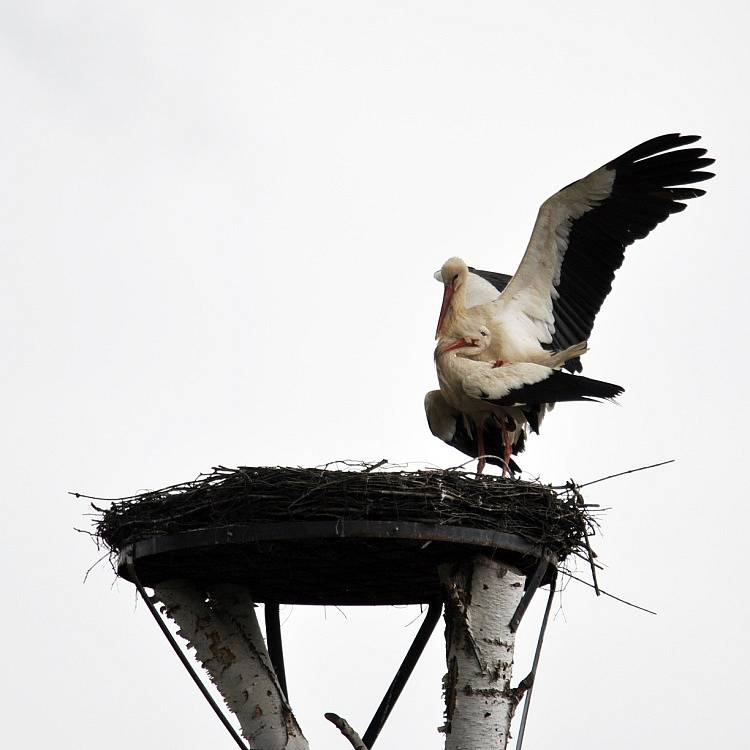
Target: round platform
x=344 y=562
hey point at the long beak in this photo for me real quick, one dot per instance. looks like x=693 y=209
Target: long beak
x=447 y=295
x=457 y=344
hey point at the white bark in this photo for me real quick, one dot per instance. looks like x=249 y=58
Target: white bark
x=228 y=643
x=481 y=597
x=347 y=730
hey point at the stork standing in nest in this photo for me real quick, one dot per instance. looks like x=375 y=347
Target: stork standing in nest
x=577 y=244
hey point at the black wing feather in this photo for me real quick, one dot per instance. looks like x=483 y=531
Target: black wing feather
x=559 y=386
x=647 y=187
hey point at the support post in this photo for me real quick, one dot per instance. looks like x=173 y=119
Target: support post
x=223 y=629
x=481 y=596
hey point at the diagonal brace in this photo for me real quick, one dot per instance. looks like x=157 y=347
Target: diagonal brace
x=273 y=641
x=531 y=587
x=130 y=563
x=404 y=672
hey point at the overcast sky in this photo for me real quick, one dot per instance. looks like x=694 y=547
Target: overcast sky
x=219 y=226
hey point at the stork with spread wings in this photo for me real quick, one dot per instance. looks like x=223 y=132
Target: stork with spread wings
x=578 y=242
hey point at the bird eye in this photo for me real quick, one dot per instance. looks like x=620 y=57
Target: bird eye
x=454 y=279
x=483 y=333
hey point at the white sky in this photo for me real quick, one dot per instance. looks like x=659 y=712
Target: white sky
x=219 y=227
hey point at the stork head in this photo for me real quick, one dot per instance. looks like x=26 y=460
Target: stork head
x=453 y=276
x=466 y=341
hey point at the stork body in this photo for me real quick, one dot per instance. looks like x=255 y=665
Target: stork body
x=507 y=397
x=455 y=359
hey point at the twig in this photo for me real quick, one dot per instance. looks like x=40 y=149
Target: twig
x=103 y=557
x=586 y=558
x=344 y=727
x=606 y=593
x=372 y=467
x=579 y=500
x=591 y=561
x=629 y=471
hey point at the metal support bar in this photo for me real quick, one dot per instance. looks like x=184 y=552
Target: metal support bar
x=527 y=702
x=275 y=648
x=404 y=672
x=531 y=587
x=185 y=663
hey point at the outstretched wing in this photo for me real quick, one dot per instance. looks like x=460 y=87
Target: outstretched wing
x=581 y=233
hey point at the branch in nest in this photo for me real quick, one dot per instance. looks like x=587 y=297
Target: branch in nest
x=345 y=728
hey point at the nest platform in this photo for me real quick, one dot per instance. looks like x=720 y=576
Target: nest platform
x=340 y=537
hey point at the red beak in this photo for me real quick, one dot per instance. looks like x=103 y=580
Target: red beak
x=458 y=344
x=447 y=295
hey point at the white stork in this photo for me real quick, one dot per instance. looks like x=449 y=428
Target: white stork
x=494 y=401
x=577 y=244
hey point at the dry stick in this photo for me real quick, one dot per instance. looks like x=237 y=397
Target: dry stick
x=579 y=498
x=345 y=728
x=587 y=559
x=103 y=557
x=606 y=593
x=591 y=561
x=629 y=471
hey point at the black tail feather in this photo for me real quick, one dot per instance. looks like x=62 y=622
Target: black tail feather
x=560 y=386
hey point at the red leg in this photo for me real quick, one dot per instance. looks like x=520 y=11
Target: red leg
x=508 y=441
x=480 y=449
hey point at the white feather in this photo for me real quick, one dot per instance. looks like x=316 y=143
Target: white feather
x=479 y=291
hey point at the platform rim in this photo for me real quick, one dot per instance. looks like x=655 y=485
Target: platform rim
x=333 y=529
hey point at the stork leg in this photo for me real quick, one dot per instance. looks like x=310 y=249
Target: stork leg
x=507 y=449
x=480 y=449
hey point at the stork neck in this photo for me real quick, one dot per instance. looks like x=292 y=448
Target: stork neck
x=458 y=301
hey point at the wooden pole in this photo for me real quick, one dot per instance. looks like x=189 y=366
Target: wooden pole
x=224 y=631
x=481 y=596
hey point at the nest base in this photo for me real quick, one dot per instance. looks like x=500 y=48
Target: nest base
x=334 y=563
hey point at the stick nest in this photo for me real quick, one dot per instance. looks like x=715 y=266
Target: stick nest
x=553 y=517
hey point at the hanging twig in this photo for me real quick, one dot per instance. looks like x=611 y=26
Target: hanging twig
x=345 y=728
x=103 y=557
x=606 y=593
x=579 y=500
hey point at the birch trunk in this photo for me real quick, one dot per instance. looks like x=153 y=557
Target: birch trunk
x=225 y=634
x=481 y=597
